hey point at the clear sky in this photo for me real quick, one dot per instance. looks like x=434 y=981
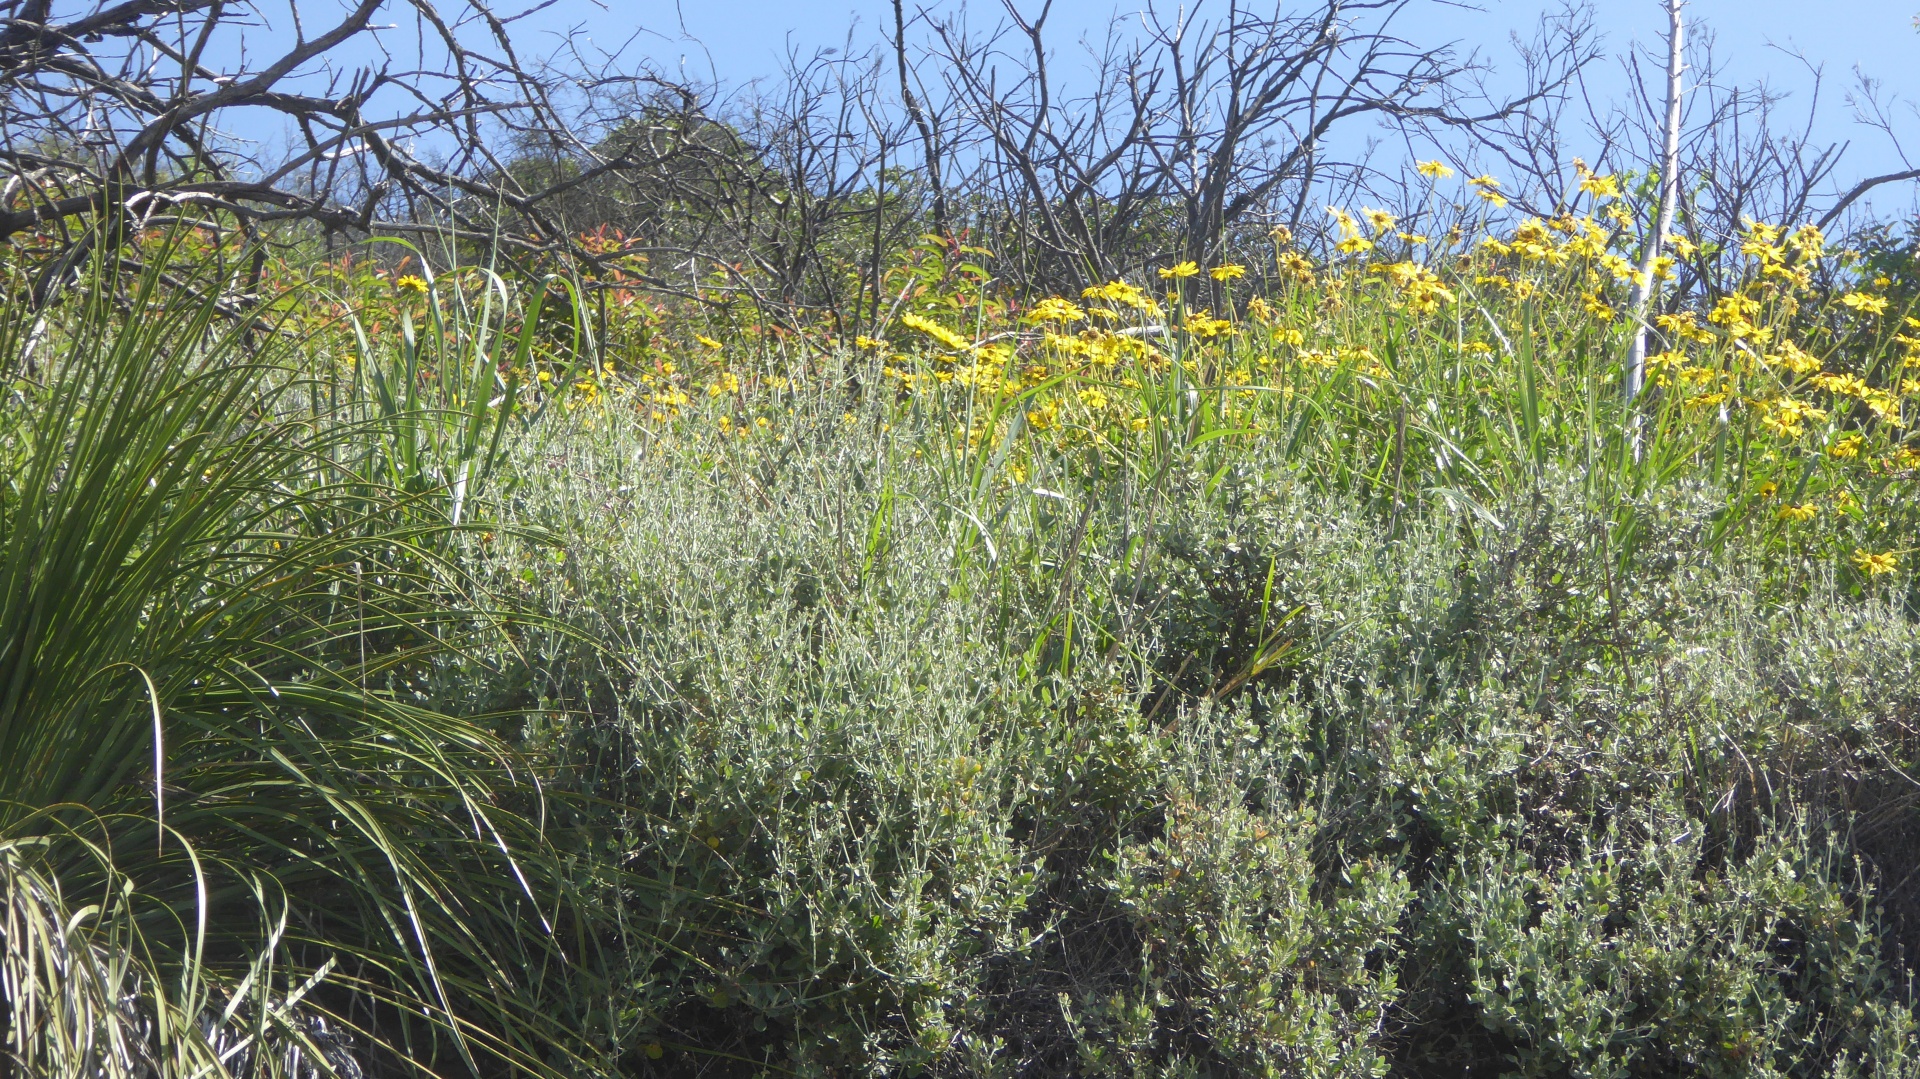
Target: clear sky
x=738 y=40
x=746 y=37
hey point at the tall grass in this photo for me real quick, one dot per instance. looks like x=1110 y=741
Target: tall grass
x=239 y=836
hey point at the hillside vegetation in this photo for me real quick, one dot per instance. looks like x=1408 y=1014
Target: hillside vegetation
x=713 y=615
x=1352 y=682
x=1354 y=686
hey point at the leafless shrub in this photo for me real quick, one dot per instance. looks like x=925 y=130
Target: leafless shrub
x=1181 y=133
x=112 y=113
x=1748 y=151
x=1193 y=133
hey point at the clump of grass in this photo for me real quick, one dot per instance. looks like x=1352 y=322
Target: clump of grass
x=238 y=836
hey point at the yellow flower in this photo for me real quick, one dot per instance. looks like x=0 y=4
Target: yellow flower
x=1846 y=447
x=1352 y=242
x=1532 y=241
x=1785 y=416
x=865 y=342
x=1620 y=269
x=1762 y=242
x=1734 y=313
x=1093 y=399
x=411 y=283
x=1769 y=489
x=1180 y=272
x=1494 y=280
x=1297 y=267
x=1419 y=285
x=1873 y=565
x=1055 y=309
x=1683 y=327
x=1601 y=187
x=1227 y=272
x=1884 y=405
x=936 y=331
x=1381 y=220
x=1844 y=385
x=1733 y=308
x=1203 y=325
x=1121 y=293
x=1494 y=198
x=707 y=341
x=1793 y=358
x=1808 y=241
x=1434 y=170
x=1804 y=512
x=1486 y=182
x=1865 y=304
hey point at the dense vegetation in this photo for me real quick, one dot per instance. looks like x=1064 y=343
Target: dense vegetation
x=1355 y=686
x=1353 y=683
x=909 y=647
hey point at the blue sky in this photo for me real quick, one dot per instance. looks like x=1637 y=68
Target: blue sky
x=746 y=37
x=741 y=40
x=738 y=40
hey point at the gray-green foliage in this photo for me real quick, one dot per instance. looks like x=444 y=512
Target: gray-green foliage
x=1211 y=777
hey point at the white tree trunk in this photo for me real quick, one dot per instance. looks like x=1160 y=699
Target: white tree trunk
x=1643 y=283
